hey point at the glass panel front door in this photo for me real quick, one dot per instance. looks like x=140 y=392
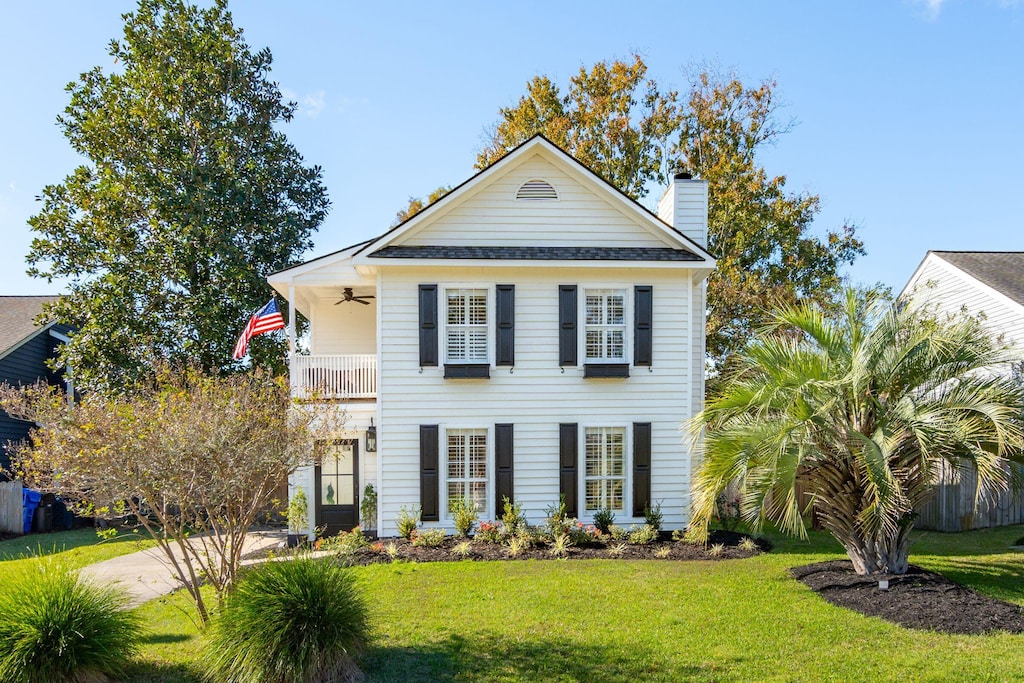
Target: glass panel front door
x=337 y=485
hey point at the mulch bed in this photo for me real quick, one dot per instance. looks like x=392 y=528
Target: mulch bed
x=919 y=599
x=377 y=552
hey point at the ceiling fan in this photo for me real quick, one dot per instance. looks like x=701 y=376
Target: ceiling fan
x=347 y=296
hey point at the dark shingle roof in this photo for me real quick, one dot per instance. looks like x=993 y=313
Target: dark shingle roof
x=538 y=253
x=17 y=318
x=1003 y=271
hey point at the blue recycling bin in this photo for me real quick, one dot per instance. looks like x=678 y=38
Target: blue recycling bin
x=29 y=502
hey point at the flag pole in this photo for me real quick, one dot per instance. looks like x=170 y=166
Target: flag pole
x=291 y=322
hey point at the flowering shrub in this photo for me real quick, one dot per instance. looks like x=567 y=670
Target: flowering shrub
x=577 y=533
x=488 y=532
x=728 y=512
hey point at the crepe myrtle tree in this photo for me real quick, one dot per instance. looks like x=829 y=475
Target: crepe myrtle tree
x=859 y=408
x=195 y=458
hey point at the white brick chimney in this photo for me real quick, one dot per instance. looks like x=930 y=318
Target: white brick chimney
x=684 y=206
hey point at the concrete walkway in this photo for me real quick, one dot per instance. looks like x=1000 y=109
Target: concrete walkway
x=148 y=574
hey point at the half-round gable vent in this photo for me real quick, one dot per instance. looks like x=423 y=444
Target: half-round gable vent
x=536 y=189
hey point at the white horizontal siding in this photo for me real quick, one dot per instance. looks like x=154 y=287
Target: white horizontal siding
x=952 y=292
x=536 y=395
x=494 y=217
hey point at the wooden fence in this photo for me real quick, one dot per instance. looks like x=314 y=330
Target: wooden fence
x=953 y=509
x=10 y=507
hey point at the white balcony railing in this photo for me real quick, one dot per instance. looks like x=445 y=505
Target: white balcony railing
x=334 y=377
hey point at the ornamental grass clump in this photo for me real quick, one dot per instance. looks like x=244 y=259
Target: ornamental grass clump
x=58 y=628
x=296 y=621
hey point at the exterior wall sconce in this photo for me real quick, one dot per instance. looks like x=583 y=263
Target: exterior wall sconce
x=371 y=438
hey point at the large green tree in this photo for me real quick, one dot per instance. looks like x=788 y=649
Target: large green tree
x=859 y=406
x=190 y=195
x=634 y=133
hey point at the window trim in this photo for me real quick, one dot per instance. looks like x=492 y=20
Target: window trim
x=479 y=368
x=606 y=367
x=488 y=429
x=627 y=468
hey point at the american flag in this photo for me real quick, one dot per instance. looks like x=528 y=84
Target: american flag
x=267 y=319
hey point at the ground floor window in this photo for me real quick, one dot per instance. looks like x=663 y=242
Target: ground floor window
x=605 y=475
x=467 y=467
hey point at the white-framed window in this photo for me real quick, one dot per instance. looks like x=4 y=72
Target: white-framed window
x=605 y=325
x=466 y=325
x=604 y=476
x=466 y=467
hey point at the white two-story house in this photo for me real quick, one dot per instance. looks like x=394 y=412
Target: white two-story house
x=533 y=334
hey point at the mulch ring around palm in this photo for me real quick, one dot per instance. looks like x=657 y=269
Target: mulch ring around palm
x=919 y=599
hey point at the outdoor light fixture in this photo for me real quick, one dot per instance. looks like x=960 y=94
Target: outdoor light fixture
x=371 y=438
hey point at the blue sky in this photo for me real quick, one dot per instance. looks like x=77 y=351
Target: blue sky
x=909 y=113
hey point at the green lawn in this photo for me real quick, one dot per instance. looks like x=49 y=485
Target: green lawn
x=740 y=620
x=76 y=548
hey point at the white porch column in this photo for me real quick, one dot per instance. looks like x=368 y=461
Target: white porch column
x=291 y=335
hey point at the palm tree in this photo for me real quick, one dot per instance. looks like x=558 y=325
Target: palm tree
x=858 y=408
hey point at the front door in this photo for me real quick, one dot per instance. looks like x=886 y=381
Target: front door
x=337 y=485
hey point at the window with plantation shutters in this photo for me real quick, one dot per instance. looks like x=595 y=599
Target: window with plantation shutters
x=605 y=470
x=467 y=467
x=466 y=325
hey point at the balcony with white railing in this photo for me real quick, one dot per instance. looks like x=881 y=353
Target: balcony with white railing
x=334 y=377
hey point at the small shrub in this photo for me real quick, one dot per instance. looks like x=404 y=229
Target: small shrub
x=662 y=553
x=716 y=550
x=298 y=512
x=55 y=627
x=617 y=550
x=531 y=536
x=560 y=545
x=368 y=507
x=604 y=519
x=294 y=621
x=346 y=542
x=653 y=516
x=578 y=534
x=408 y=520
x=748 y=544
x=618 y=533
x=643 y=536
x=512 y=518
x=429 y=538
x=728 y=512
x=488 y=532
x=684 y=536
x=558 y=520
x=516 y=545
x=465 y=515
x=463 y=549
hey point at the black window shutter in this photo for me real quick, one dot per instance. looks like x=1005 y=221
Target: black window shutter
x=503 y=467
x=429 y=483
x=428 y=325
x=568 y=455
x=505 y=345
x=643 y=322
x=567 y=325
x=641 y=467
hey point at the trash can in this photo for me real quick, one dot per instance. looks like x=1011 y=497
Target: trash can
x=61 y=515
x=42 y=521
x=29 y=502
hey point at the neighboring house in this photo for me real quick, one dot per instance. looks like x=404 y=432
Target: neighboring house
x=988 y=285
x=533 y=334
x=25 y=348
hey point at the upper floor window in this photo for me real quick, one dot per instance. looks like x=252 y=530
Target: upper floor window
x=466 y=325
x=605 y=325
